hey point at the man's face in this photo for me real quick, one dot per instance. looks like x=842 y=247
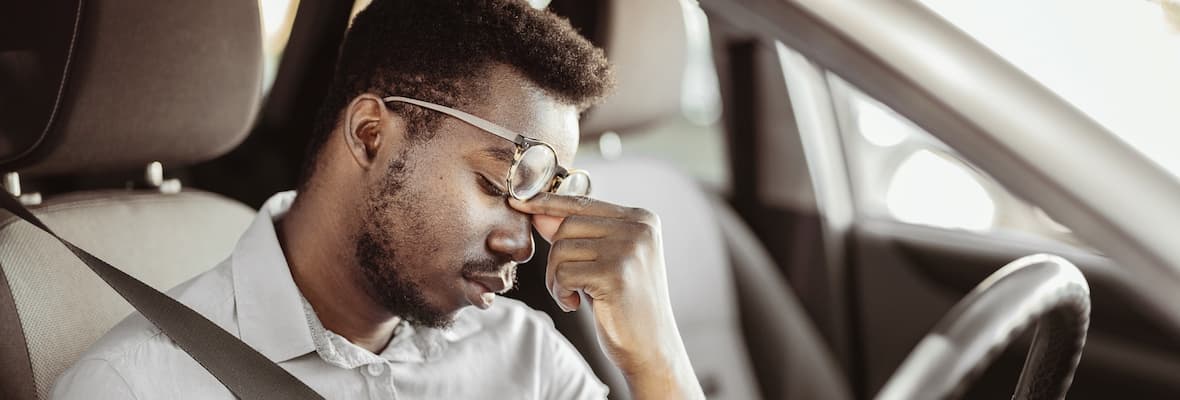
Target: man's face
x=436 y=232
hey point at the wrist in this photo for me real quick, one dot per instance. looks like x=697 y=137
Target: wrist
x=666 y=378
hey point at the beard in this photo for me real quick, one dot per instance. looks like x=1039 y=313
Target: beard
x=385 y=283
x=384 y=256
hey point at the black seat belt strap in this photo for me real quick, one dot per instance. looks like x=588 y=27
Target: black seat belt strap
x=244 y=371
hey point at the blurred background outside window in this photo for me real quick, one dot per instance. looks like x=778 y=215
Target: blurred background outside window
x=1116 y=60
x=277 y=17
x=900 y=171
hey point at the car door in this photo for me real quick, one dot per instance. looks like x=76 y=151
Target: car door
x=928 y=226
x=905 y=224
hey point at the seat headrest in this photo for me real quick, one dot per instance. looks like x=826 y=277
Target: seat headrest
x=647 y=41
x=113 y=85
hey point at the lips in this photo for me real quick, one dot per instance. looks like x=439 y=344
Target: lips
x=493 y=283
x=481 y=289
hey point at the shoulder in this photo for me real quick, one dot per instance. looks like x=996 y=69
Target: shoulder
x=135 y=348
x=210 y=294
x=89 y=379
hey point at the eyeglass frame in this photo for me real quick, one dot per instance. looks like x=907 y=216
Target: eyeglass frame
x=522 y=143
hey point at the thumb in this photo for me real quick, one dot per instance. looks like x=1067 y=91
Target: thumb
x=547 y=225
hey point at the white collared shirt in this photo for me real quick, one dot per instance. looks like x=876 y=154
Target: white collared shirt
x=508 y=351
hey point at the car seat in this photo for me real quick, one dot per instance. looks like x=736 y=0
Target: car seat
x=113 y=89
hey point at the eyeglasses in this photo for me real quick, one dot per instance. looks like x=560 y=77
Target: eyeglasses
x=534 y=166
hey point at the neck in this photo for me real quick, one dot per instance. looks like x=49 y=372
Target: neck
x=316 y=245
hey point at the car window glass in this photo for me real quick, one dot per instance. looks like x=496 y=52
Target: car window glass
x=277 y=17
x=900 y=171
x=1116 y=60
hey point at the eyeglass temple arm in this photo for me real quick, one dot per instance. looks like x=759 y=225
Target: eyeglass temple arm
x=460 y=115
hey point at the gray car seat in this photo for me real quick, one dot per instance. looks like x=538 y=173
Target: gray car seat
x=745 y=331
x=107 y=89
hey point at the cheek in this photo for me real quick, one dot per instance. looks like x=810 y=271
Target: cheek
x=454 y=213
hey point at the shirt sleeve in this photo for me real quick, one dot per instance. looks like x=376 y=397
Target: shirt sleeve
x=91 y=379
x=570 y=377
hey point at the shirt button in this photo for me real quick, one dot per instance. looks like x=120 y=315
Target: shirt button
x=375 y=369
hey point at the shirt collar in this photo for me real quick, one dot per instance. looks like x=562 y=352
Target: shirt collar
x=270 y=315
x=409 y=343
x=273 y=316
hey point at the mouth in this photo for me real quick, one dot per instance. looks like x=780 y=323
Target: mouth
x=481 y=289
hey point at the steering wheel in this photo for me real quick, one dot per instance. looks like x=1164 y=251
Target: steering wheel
x=1042 y=289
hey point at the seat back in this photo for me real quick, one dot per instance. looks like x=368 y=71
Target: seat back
x=700 y=281
x=61 y=306
x=789 y=357
x=100 y=90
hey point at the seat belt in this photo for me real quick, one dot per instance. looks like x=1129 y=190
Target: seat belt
x=244 y=371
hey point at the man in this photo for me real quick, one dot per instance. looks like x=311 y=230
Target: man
x=447 y=125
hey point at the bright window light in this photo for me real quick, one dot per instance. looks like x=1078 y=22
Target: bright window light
x=700 y=99
x=879 y=125
x=277 y=17
x=274 y=13
x=1116 y=60
x=929 y=189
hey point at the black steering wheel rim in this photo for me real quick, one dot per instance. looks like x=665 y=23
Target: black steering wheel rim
x=1039 y=290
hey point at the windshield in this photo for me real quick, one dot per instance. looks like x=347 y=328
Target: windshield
x=1116 y=60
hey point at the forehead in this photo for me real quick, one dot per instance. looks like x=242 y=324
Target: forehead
x=515 y=103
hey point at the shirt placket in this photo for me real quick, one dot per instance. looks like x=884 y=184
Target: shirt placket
x=379 y=380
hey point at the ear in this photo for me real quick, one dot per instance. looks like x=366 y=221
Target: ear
x=369 y=128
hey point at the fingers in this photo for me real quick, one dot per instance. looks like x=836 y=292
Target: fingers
x=562 y=288
x=595 y=244
x=590 y=266
x=577 y=226
x=563 y=206
x=570 y=251
x=582 y=249
x=569 y=277
x=584 y=227
x=546 y=225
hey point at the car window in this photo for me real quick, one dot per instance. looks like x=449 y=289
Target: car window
x=277 y=17
x=694 y=140
x=898 y=171
x=1116 y=60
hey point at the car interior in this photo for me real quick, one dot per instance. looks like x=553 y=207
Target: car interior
x=147 y=133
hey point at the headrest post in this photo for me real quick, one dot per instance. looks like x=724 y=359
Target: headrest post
x=12 y=183
x=12 y=186
x=153 y=175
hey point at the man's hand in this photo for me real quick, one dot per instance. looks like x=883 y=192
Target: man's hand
x=614 y=255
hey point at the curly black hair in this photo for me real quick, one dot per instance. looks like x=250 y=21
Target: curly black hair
x=440 y=50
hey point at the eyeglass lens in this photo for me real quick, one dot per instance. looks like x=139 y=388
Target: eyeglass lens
x=577 y=183
x=533 y=171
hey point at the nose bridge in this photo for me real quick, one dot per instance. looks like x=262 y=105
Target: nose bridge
x=512 y=236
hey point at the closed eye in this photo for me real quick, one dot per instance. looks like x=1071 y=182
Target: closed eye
x=490 y=188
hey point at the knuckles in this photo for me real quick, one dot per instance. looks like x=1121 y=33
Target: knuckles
x=582 y=202
x=644 y=216
x=561 y=246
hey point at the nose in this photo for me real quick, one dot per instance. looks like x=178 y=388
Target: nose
x=513 y=239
